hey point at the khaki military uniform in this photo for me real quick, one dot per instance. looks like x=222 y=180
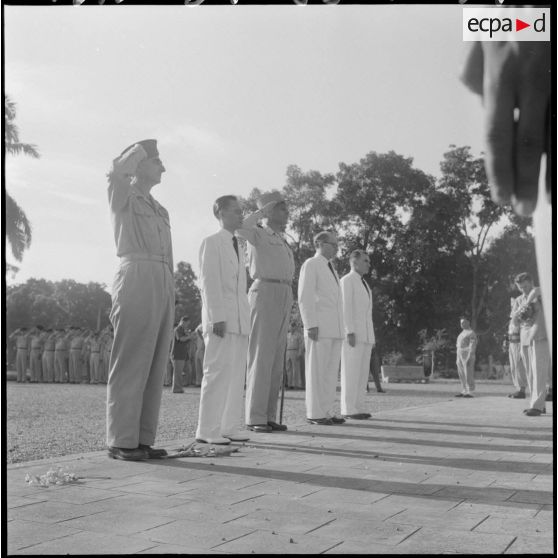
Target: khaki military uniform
x=48 y=359
x=76 y=348
x=61 y=356
x=35 y=358
x=22 y=356
x=94 y=360
x=142 y=309
x=271 y=299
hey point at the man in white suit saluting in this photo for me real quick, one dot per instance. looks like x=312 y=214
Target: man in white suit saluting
x=319 y=300
x=359 y=341
x=226 y=324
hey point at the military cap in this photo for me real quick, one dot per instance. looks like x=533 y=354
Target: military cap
x=264 y=199
x=149 y=145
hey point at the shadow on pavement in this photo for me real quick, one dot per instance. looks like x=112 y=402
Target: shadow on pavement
x=430 y=491
x=468 y=424
x=459 y=463
x=417 y=442
x=464 y=432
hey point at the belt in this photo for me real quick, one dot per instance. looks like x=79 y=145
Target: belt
x=95 y=352
x=138 y=256
x=22 y=348
x=282 y=281
x=49 y=350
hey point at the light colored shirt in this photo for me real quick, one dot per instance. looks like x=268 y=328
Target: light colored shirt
x=141 y=224
x=467 y=339
x=270 y=257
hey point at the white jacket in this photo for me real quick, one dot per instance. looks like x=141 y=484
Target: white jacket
x=357 y=308
x=223 y=284
x=319 y=298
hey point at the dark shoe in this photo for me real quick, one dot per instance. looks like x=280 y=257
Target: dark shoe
x=337 y=420
x=219 y=441
x=380 y=390
x=517 y=395
x=327 y=421
x=458 y=395
x=533 y=412
x=126 y=454
x=153 y=453
x=357 y=416
x=178 y=391
x=468 y=395
x=259 y=427
x=367 y=415
x=275 y=426
x=525 y=411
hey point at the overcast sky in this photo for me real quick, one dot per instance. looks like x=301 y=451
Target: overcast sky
x=234 y=94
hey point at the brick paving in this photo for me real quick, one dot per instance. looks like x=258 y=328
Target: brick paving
x=465 y=476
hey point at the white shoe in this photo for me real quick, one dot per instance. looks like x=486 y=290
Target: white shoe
x=238 y=436
x=217 y=441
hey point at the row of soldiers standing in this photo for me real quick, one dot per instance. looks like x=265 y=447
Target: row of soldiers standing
x=63 y=355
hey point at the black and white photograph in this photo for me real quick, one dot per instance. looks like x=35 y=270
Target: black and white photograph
x=292 y=267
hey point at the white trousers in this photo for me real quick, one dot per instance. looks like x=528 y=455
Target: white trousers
x=355 y=366
x=526 y=359
x=517 y=368
x=322 y=366
x=466 y=370
x=540 y=366
x=222 y=388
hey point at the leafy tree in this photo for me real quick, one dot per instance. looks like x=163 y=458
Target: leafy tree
x=188 y=298
x=57 y=304
x=464 y=179
x=18 y=227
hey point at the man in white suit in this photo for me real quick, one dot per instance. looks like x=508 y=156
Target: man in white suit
x=226 y=324
x=359 y=340
x=319 y=300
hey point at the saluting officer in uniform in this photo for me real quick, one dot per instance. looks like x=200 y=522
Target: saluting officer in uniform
x=142 y=303
x=271 y=298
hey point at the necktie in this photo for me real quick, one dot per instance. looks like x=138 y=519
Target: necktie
x=365 y=285
x=329 y=264
x=235 y=244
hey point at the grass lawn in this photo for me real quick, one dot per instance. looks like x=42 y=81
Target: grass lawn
x=51 y=420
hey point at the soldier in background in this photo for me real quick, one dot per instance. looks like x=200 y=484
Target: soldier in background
x=21 y=336
x=35 y=356
x=48 y=356
x=295 y=344
x=61 y=345
x=180 y=353
x=76 y=346
x=85 y=357
x=94 y=357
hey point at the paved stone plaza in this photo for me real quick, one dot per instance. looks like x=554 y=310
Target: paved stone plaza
x=463 y=476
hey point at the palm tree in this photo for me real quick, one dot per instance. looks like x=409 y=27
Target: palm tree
x=18 y=227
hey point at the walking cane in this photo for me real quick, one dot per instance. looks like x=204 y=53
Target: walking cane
x=283 y=387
